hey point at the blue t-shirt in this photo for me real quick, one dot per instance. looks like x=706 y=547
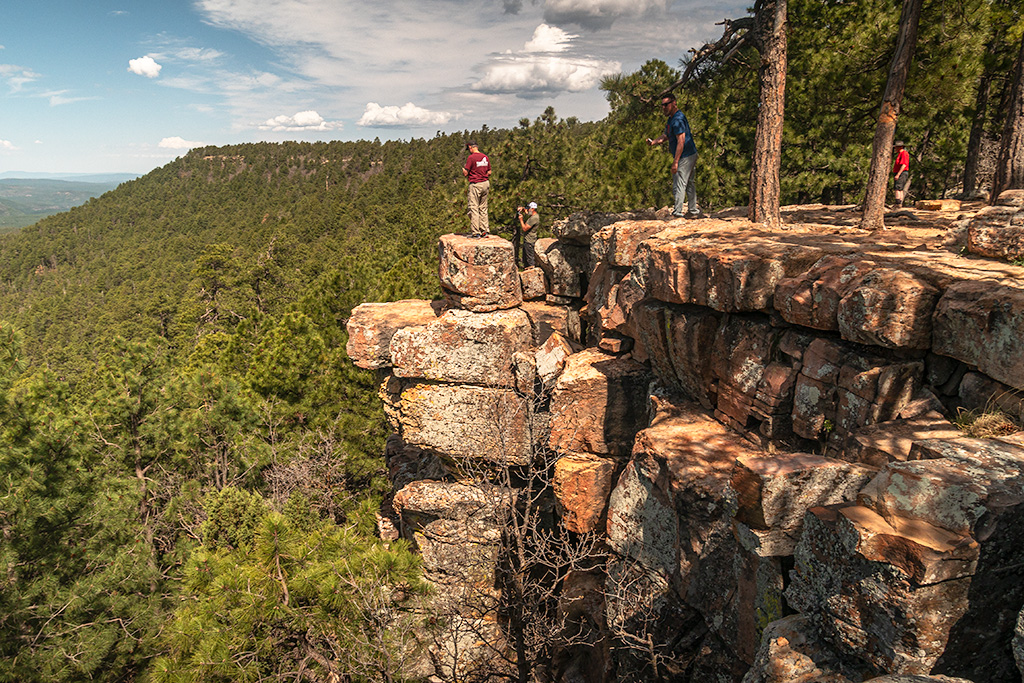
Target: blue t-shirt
x=677 y=124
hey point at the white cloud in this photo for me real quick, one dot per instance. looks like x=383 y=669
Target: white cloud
x=198 y=54
x=144 y=66
x=304 y=120
x=549 y=39
x=535 y=76
x=17 y=76
x=58 y=97
x=406 y=115
x=7 y=145
x=597 y=14
x=179 y=143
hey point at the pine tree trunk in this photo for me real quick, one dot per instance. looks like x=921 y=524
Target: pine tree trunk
x=1010 y=167
x=885 y=131
x=764 y=172
x=977 y=128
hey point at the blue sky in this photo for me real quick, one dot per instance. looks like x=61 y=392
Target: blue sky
x=106 y=86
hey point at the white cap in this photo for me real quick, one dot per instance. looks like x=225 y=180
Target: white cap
x=533 y=205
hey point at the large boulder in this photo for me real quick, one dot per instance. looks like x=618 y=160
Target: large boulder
x=371 y=327
x=579 y=228
x=533 y=283
x=774 y=492
x=582 y=484
x=997 y=232
x=610 y=299
x=462 y=423
x=979 y=480
x=982 y=324
x=674 y=493
x=565 y=266
x=547 y=318
x=456 y=527
x=479 y=274
x=887 y=594
x=867 y=302
x=463 y=347
x=598 y=405
x=734 y=276
x=617 y=244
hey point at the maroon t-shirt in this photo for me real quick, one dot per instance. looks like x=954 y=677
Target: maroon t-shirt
x=478 y=166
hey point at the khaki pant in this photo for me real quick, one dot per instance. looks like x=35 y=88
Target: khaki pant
x=478 y=224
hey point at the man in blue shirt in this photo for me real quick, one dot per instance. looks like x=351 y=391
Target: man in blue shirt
x=684 y=158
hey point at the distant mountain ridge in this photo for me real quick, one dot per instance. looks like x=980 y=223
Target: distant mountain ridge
x=23 y=201
x=104 y=178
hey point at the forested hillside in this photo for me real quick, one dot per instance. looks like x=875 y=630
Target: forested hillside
x=190 y=465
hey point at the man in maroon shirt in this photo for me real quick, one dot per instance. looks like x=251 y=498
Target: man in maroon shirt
x=901 y=173
x=477 y=171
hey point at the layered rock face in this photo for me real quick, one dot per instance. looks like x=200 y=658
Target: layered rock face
x=755 y=425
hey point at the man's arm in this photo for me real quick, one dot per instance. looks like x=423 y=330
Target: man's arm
x=680 y=139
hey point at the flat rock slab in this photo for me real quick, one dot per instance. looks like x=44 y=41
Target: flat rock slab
x=938 y=205
x=598 y=405
x=371 y=327
x=880 y=444
x=479 y=274
x=463 y=347
x=735 y=275
x=954 y=483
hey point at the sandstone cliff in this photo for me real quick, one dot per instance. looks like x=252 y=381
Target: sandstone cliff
x=742 y=435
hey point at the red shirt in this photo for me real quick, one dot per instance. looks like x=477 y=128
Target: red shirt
x=902 y=160
x=478 y=166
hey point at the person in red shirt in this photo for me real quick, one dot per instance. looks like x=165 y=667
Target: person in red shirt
x=901 y=173
x=477 y=171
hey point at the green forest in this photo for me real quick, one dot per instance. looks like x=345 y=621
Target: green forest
x=191 y=466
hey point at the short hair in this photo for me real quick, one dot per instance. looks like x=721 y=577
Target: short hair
x=669 y=96
x=471 y=143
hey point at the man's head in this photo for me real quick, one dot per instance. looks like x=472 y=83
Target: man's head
x=668 y=104
x=898 y=144
x=532 y=206
x=471 y=146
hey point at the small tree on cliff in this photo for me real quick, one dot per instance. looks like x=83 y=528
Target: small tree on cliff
x=766 y=31
x=885 y=131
